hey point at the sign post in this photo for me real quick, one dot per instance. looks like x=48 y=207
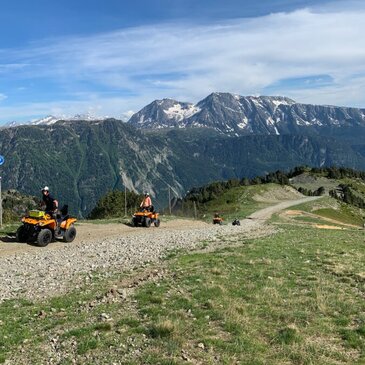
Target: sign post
x=2 y=160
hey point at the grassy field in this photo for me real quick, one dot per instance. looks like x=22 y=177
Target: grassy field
x=239 y=202
x=330 y=208
x=296 y=297
x=312 y=182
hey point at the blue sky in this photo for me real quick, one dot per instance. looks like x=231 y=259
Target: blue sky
x=113 y=57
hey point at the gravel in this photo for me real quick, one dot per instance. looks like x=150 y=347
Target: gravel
x=45 y=272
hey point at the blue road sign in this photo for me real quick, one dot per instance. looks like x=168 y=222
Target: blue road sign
x=2 y=159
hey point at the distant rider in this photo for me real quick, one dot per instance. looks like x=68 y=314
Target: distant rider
x=147 y=203
x=51 y=204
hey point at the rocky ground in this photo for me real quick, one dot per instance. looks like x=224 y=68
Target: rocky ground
x=35 y=273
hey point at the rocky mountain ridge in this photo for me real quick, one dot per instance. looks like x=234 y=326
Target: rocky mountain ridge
x=237 y=115
x=51 y=119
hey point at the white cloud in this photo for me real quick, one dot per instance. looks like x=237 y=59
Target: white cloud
x=3 y=97
x=187 y=61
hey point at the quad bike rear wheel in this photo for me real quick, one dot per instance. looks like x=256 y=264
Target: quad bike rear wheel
x=21 y=234
x=157 y=223
x=44 y=237
x=69 y=234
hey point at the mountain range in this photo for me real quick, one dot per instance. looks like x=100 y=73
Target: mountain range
x=176 y=146
x=237 y=115
x=51 y=119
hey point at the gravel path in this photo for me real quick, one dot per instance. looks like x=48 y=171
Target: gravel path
x=38 y=273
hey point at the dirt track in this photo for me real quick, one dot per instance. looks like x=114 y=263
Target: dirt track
x=111 y=248
x=266 y=213
x=93 y=232
x=90 y=231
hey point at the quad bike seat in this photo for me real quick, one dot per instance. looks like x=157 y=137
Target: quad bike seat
x=63 y=214
x=149 y=209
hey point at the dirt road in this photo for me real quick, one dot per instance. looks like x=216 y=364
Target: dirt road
x=87 y=232
x=92 y=232
x=34 y=272
x=266 y=213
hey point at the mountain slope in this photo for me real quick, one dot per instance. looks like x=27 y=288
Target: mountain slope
x=81 y=161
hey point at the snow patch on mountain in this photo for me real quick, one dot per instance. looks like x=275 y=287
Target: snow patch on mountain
x=243 y=124
x=180 y=112
x=51 y=119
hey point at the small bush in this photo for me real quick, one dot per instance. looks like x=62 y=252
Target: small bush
x=161 y=330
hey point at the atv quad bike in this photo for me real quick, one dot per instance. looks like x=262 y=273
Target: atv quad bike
x=217 y=219
x=145 y=218
x=40 y=228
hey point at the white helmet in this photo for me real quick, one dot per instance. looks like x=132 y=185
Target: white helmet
x=146 y=194
x=46 y=188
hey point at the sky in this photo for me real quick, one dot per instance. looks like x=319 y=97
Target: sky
x=113 y=57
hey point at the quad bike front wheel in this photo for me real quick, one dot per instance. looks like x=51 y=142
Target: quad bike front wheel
x=69 y=234
x=147 y=222
x=157 y=223
x=44 y=237
x=21 y=234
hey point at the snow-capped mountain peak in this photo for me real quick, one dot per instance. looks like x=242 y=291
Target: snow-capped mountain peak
x=165 y=113
x=51 y=119
x=235 y=115
x=48 y=120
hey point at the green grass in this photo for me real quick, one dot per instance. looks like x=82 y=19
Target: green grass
x=292 y=298
x=328 y=207
x=312 y=182
x=358 y=185
x=345 y=214
x=284 y=299
x=9 y=228
x=239 y=202
x=307 y=219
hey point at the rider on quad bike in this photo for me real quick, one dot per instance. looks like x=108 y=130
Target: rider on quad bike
x=50 y=204
x=146 y=215
x=43 y=227
x=146 y=203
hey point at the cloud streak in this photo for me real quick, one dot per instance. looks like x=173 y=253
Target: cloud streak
x=126 y=69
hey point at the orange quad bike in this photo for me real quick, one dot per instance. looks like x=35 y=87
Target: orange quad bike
x=41 y=228
x=145 y=218
x=217 y=219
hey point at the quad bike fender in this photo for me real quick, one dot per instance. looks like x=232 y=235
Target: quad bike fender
x=150 y=215
x=49 y=223
x=67 y=223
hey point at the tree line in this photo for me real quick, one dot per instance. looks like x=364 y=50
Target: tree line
x=206 y=193
x=347 y=194
x=112 y=204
